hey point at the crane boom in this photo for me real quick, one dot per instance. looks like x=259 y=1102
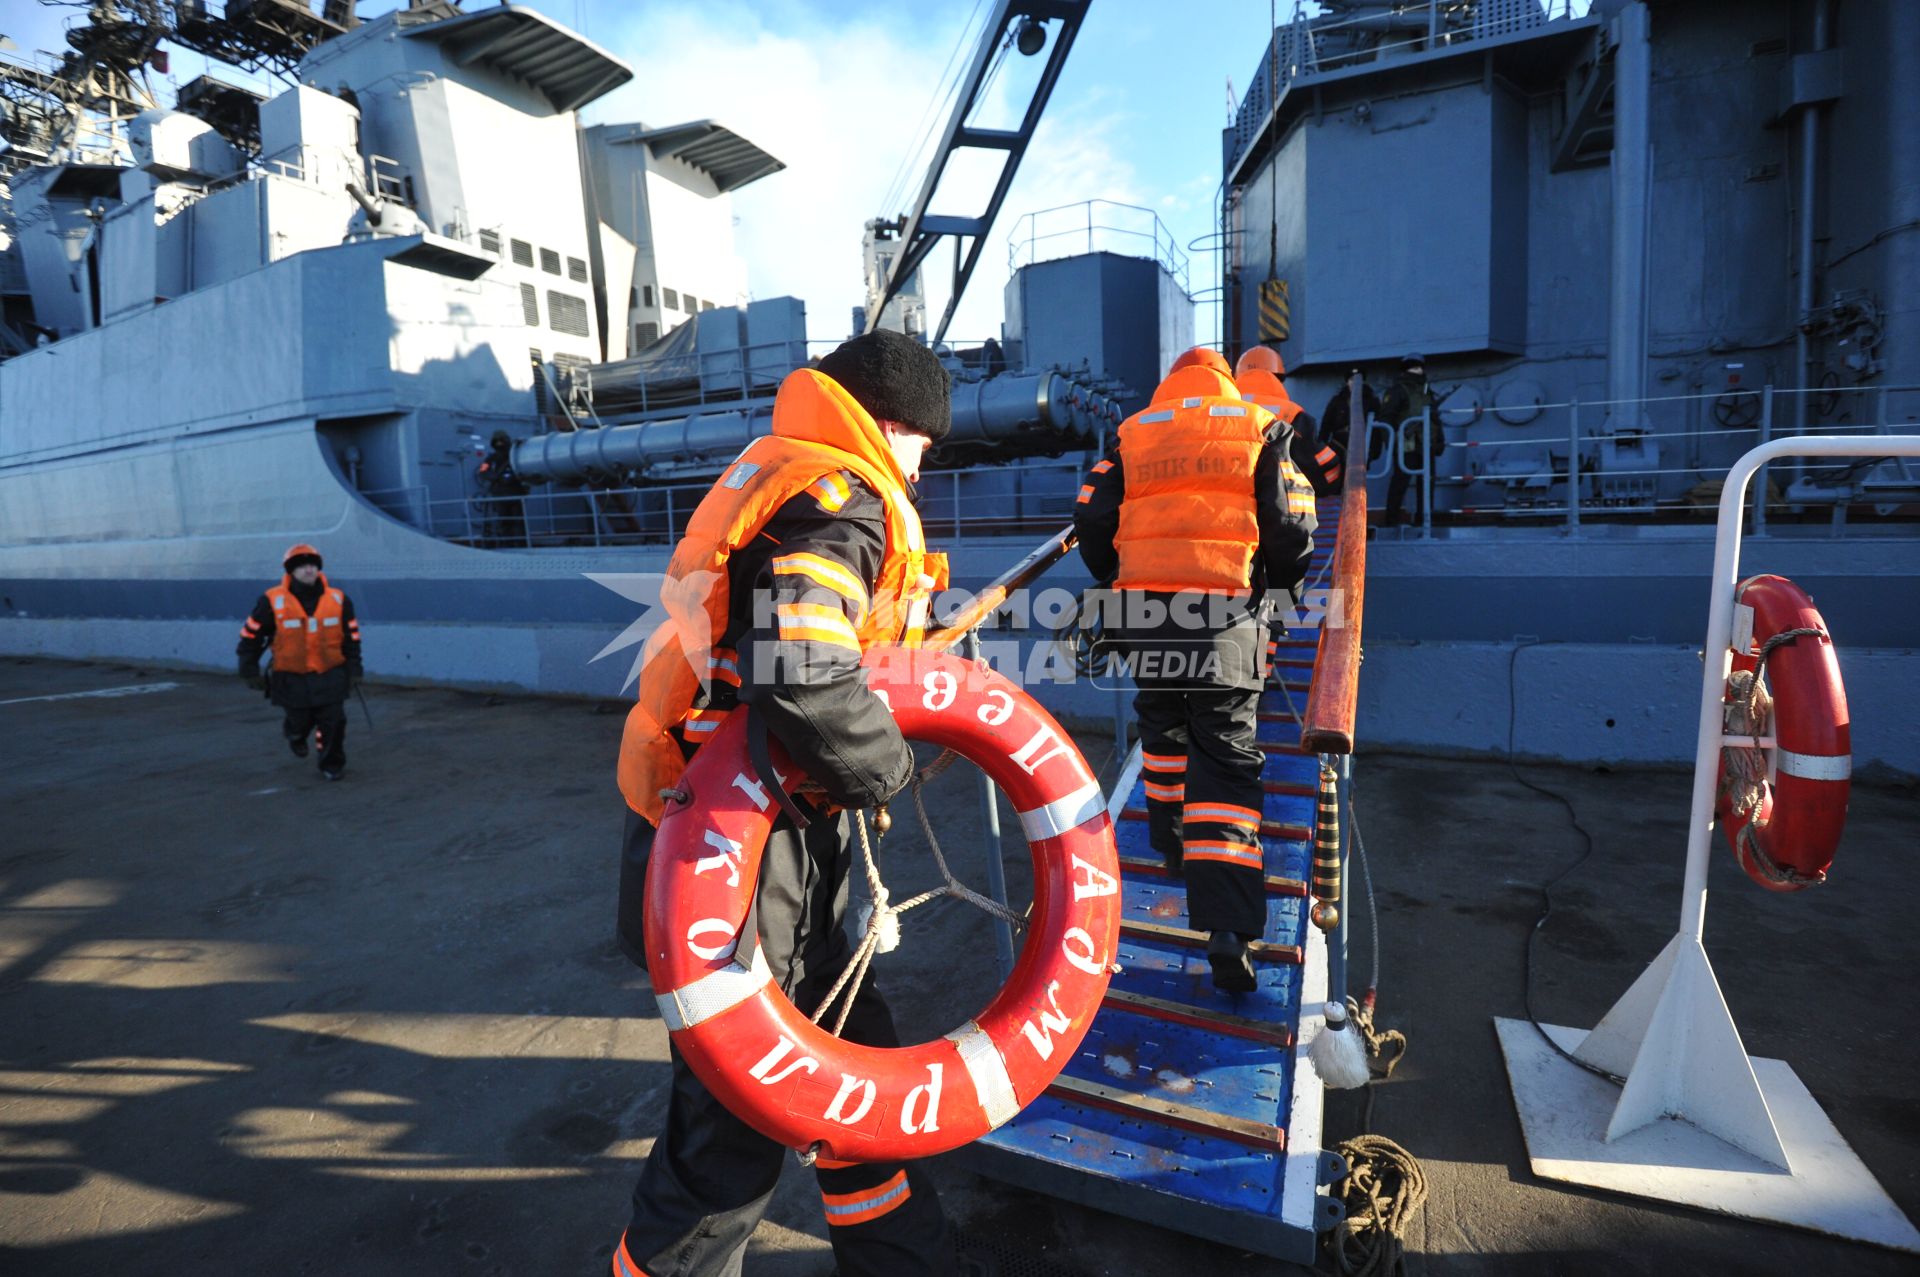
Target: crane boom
x=1022 y=23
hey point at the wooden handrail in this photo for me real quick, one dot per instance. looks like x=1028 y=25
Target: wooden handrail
x=1017 y=577
x=1328 y=725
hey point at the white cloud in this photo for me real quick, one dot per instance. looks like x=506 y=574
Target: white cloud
x=840 y=104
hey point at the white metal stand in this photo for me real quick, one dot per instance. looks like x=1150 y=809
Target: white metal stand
x=1672 y=1037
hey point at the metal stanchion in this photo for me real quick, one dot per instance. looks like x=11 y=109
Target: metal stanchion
x=996 y=870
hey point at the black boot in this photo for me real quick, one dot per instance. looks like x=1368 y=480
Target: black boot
x=298 y=744
x=1232 y=966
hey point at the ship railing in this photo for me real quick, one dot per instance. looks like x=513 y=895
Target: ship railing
x=1302 y=48
x=1327 y=726
x=1095 y=225
x=1707 y=431
x=955 y=506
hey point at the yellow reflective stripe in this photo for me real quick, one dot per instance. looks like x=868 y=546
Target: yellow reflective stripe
x=1166 y=793
x=817 y=623
x=1164 y=762
x=1222 y=814
x=1101 y=467
x=1086 y=494
x=831 y=491
x=823 y=571
x=704 y=722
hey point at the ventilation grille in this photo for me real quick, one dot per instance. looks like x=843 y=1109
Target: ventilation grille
x=490 y=242
x=566 y=314
x=549 y=261
x=530 y=305
x=522 y=253
x=576 y=270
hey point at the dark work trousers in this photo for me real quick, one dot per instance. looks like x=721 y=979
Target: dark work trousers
x=1397 y=489
x=1204 y=798
x=709 y=1175
x=327 y=723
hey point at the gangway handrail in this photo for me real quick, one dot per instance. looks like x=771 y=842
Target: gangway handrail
x=997 y=591
x=1327 y=727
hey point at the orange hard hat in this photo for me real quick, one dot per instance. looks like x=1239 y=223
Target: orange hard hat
x=1202 y=357
x=1265 y=358
x=300 y=550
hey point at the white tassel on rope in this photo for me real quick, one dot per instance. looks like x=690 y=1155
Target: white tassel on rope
x=877 y=912
x=1337 y=1053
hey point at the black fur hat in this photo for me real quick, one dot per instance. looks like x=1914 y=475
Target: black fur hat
x=894 y=378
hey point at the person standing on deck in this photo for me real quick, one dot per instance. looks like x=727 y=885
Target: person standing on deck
x=1258 y=374
x=1408 y=399
x=315 y=638
x=1196 y=514
x=805 y=553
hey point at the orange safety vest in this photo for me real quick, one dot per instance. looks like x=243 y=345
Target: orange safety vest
x=819 y=431
x=304 y=644
x=1262 y=387
x=1187 y=519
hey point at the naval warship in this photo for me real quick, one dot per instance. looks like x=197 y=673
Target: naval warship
x=1627 y=250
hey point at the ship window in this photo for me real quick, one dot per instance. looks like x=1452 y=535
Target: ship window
x=670 y=299
x=530 y=305
x=549 y=261
x=706 y=305
x=576 y=270
x=689 y=303
x=490 y=242
x=566 y=314
x=646 y=295
x=522 y=253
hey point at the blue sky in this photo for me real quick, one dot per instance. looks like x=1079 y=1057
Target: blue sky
x=837 y=90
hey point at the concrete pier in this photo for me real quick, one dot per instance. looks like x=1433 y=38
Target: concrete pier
x=253 y=1022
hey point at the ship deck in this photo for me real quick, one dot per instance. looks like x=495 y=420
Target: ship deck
x=249 y=1020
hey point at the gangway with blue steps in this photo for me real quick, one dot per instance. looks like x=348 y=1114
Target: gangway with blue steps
x=1185 y=1107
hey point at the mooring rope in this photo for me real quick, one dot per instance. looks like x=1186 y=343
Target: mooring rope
x=1384 y=1186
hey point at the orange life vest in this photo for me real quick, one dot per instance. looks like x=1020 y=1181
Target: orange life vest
x=1187 y=518
x=302 y=643
x=819 y=431
x=1262 y=387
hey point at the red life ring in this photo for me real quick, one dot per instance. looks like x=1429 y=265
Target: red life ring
x=1787 y=842
x=792 y=1080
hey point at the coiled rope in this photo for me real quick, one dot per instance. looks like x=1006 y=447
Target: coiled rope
x=1383 y=1187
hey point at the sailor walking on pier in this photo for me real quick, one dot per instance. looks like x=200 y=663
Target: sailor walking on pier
x=311 y=629
x=1192 y=518
x=805 y=553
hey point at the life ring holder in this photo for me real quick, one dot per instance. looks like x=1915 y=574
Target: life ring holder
x=1783 y=808
x=791 y=1079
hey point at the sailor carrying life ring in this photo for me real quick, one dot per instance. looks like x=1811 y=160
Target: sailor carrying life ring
x=791 y=1079
x=1783 y=814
